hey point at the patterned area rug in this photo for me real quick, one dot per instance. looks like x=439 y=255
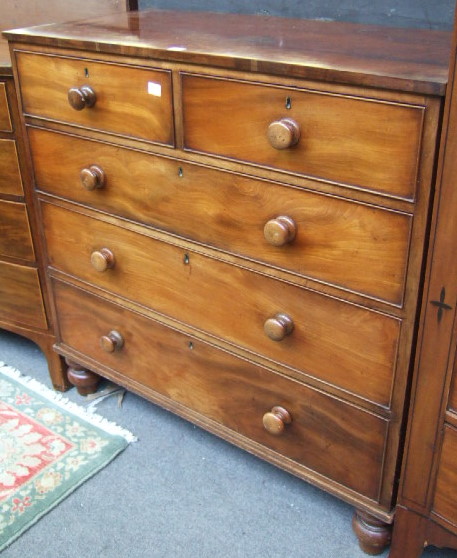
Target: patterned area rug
x=48 y=447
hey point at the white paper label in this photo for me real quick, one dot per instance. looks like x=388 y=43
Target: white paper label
x=154 y=89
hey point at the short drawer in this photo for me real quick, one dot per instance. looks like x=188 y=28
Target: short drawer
x=15 y=236
x=445 y=503
x=103 y=94
x=348 y=244
x=10 y=174
x=20 y=295
x=345 y=344
x=350 y=140
x=5 y=118
x=326 y=435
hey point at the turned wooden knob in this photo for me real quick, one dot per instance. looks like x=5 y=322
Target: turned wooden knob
x=275 y=420
x=278 y=327
x=280 y=231
x=112 y=342
x=102 y=259
x=92 y=177
x=81 y=97
x=283 y=133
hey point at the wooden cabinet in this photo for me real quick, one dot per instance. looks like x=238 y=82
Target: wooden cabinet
x=427 y=504
x=23 y=296
x=240 y=237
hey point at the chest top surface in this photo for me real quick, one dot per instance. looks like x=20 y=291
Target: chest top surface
x=374 y=56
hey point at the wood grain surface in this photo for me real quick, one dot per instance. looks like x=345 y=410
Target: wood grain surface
x=342 y=138
x=407 y=59
x=10 y=174
x=324 y=434
x=446 y=481
x=20 y=295
x=356 y=246
x=344 y=344
x=130 y=101
x=15 y=234
x=5 y=117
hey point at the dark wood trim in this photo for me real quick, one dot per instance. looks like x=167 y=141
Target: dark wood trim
x=131 y=5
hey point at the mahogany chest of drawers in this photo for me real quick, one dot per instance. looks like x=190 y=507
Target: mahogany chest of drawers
x=235 y=211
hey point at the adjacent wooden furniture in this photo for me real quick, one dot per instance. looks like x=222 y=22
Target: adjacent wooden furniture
x=235 y=211
x=23 y=298
x=23 y=295
x=427 y=510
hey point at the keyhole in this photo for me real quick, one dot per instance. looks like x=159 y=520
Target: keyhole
x=186 y=259
x=180 y=172
x=86 y=72
x=288 y=103
x=191 y=345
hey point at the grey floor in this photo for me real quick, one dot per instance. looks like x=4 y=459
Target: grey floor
x=180 y=492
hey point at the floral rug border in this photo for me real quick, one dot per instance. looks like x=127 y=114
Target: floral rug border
x=57 y=456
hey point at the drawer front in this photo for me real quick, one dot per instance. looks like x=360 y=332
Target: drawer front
x=10 y=175
x=452 y=402
x=361 y=142
x=445 y=503
x=5 y=118
x=326 y=435
x=15 y=236
x=355 y=246
x=341 y=343
x=20 y=295
x=142 y=94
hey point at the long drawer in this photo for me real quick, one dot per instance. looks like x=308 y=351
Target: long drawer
x=350 y=140
x=15 y=235
x=348 y=244
x=10 y=175
x=326 y=435
x=345 y=344
x=126 y=100
x=20 y=295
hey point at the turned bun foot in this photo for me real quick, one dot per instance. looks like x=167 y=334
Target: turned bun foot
x=374 y=535
x=84 y=380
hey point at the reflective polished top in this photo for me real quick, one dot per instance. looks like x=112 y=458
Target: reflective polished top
x=407 y=59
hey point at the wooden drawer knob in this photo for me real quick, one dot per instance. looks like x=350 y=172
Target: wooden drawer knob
x=112 y=342
x=92 y=177
x=283 y=133
x=102 y=259
x=275 y=420
x=81 y=97
x=280 y=231
x=278 y=327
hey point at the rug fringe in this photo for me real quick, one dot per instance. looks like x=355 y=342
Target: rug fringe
x=60 y=400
